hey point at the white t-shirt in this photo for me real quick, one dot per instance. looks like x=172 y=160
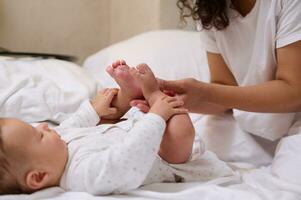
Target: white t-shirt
x=248 y=46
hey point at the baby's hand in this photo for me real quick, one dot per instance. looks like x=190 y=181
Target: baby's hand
x=167 y=106
x=102 y=102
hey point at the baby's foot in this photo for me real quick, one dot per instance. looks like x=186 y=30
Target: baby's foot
x=119 y=70
x=147 y=81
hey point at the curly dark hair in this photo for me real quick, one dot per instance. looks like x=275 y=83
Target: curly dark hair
x=211 y=13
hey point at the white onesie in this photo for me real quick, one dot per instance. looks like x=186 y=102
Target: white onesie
x=115 y=158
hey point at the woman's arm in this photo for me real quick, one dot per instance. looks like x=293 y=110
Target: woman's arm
x=280 y=95
x=189 y=91
x=219 y=74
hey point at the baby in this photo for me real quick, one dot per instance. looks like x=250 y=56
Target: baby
x=78 y=155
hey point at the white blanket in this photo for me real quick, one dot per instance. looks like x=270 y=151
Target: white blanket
x=37 y=90
x=254 y=185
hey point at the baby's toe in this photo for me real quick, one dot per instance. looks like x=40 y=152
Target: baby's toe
x=110 y=70
x=124 y=67
x=116 y=63
x=122 y=62
x=142 y=68
x=147 y=68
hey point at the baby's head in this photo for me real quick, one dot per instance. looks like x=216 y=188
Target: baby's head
x=31 y=158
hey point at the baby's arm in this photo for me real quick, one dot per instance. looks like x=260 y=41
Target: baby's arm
x=90 y=112
x=85 y=116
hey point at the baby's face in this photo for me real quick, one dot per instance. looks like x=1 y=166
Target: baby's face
x=41 y=146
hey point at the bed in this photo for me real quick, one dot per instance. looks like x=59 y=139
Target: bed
x=50 y=90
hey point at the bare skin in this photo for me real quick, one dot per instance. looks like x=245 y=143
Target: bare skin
x=177 y=141
x=243 y=7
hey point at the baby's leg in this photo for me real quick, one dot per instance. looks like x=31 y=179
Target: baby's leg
x=129 y=88
x=177 y=142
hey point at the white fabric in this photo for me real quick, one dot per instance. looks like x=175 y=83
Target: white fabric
x=172 y=54
x=116 y=158
x=287 y=161
x=278 y=23
x=223 y=136
x=254 y=185
x=38 y=90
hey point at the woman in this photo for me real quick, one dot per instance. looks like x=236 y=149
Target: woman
x=254 y=55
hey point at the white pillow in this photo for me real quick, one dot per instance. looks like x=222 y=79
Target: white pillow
x=172 y=54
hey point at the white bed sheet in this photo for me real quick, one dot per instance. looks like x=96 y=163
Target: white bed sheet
x=246 y=184
x=256 y=184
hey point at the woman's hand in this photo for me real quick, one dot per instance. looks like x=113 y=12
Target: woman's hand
x=190 y=91
x=187 y=90
x=195 y=95
x=102 y=102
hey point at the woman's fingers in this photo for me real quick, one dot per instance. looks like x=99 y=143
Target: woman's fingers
x=175 y=86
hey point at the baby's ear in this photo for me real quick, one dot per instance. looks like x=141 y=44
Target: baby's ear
x=36 y=179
